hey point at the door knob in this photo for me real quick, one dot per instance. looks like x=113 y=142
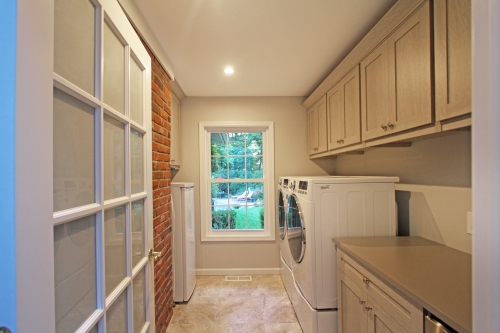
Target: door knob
x=384 y=127
x=368 y=307
x=153 y=254
x=362 y=301
x=390 y=125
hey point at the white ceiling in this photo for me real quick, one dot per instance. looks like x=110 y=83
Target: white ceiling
x=276 y=47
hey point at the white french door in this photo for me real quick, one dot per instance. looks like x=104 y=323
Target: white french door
x=102 y=196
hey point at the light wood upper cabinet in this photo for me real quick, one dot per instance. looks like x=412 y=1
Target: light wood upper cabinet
x=452 y=55
x=317 y=127
x=375 y=92
x=344 y=111
x=404 y=101
x=175 y=144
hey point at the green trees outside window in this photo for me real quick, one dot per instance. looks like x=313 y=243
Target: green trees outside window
x=237 y=181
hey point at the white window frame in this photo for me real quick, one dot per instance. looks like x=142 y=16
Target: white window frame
x=267 y=130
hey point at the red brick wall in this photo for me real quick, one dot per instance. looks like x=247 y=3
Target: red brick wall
x=162 y=222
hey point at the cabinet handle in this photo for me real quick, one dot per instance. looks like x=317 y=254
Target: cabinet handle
x=384 y=127
x=368 y=307
x=390 y=125
x=362 y=301
x=366 y=280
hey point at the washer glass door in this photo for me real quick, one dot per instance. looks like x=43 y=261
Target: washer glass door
x=296 y=232
x=281 y=215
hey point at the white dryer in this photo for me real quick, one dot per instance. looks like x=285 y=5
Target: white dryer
x=322 y=208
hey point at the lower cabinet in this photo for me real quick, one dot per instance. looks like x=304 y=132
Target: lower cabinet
x=379 y=320
x=366 y=304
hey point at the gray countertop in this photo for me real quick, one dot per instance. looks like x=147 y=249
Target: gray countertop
x=433 y=275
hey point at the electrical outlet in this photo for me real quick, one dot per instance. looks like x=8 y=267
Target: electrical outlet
x=469 y=223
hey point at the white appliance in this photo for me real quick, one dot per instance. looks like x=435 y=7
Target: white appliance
x=184 y=251
x=321 y=208
x=283 y=193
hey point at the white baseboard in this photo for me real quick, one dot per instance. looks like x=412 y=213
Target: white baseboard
x=238 y=271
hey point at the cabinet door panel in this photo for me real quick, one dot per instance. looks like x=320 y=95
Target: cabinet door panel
x=352 y=313
x=409 y=60
x=322 y=126
x=312 y=130
x=374 y=92
x=335 y=117
x=452 y=42
x=317 y=127
x=350 y=87
x=379 y=321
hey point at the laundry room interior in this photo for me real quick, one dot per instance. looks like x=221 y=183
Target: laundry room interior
x=263 y=166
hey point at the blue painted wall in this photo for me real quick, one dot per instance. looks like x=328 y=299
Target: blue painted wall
x=8 y=9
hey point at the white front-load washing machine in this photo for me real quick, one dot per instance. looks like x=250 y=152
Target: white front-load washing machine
x=318 y=210
x=283 y=193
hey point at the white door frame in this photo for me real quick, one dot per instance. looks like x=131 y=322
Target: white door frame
x=486 y=165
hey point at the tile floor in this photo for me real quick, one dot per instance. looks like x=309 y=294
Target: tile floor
x=217 y=306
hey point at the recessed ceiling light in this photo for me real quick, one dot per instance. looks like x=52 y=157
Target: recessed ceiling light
x=228 y=70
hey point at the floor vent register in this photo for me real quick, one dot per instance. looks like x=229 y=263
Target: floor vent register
x=238 y=278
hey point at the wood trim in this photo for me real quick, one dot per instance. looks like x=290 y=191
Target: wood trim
x=395 y=145
x=357 y=146
x=410 y=134
x=399 y=12
x=456 y=124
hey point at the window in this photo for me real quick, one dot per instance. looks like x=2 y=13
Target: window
x=237 y=181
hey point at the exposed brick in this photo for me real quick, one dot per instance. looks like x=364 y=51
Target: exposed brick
x=162 y=222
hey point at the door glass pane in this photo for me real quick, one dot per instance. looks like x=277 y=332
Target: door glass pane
x=73 y=152
x=74 y=31
x=114 y=158
x=136 y=161
x=74 y=273
x=137 y=232
x=114 y=70
x=294 y=233
x=139 y=296
x=115 y=252
x=116 y=316
x=281 y=215
x=135 y=91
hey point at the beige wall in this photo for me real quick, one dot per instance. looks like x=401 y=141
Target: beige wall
x=291 y=158
x=434 y=193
